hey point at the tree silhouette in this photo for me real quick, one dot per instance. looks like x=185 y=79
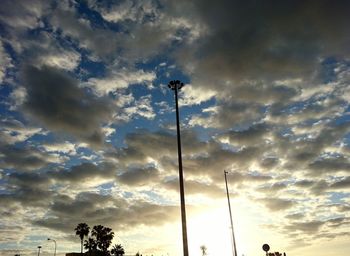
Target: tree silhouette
x=204 y=250
x=117 y=250
x=103 y=236
x=90 y=245
x=82 y=230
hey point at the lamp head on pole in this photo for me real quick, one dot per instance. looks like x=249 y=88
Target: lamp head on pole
x=175 y=84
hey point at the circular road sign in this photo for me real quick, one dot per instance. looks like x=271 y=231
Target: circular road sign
x=266 y=247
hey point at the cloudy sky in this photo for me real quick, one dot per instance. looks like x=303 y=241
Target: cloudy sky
x=88 y=134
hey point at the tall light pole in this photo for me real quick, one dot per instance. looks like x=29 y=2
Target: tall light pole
x=176 y=85
x=49 y=239
x=229 y=208
x=39 y=247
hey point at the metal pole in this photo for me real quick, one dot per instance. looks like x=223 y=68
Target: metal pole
x=55 y=245
x=39 y=250
x=176 y=85
x=229 y=208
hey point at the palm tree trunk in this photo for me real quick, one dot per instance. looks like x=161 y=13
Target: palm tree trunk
x=81 y=246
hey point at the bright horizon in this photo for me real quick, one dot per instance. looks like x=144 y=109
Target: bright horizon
x=88 y=133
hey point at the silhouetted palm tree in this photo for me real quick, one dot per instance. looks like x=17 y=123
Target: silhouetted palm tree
x=104 y=236
x=204 y=250
x=90 y=245
x=82 y=230
x=117 y=250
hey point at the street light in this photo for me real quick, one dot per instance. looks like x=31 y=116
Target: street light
x=49 y=239
x=229 y=208
x=176 y=85
x=39 y=247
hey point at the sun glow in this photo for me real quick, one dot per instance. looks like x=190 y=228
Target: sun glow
x=210 y=228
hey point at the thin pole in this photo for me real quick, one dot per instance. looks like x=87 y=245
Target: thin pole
x=49 y=239
x=55 y=247
x=39 y=250
x=182 y=191
x=229 y=208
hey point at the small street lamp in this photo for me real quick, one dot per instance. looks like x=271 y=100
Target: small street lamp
x=39 y=247
x=49 y=239
x=176 y=85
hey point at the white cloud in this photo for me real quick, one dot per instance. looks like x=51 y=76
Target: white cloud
x=141 y=107
x=13 y=131
x=68 y=60
x=120 y=79
x=63 y=147
x=193 y=95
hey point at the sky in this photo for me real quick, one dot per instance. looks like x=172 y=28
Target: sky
x=87 y=124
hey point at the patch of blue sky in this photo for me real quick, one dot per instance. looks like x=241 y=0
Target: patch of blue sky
x=90 y=69
x=157 y=198
x=127 y=195
x=96 y=19
x=11 y=52
x=343 y=119
x=327 y=73
x=338 y=197
x=5 y=91
x=106 y=188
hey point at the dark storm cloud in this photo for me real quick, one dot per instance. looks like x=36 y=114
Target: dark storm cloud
x=26 y=190
x=309 y=227
x=139 y=176
x=250 y=39
x=305 y=152
x=83 y=172
x=55 y=99
x=22 y=158
x=199 y=158
x=157 y=145
x=20 y=15
x=228 y=113
x=277 y=204
x=96 y=209
x=218 y=159
x=251 y=136
x=304 y=183
x=193 y=187
x=27 y=197
x=342 y=184
x=330 y=164
x=28 y=180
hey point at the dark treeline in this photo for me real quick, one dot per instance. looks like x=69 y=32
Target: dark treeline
x=98 y=241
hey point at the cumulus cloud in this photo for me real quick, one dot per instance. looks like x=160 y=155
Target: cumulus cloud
x=85 y=173
x=55 y=99
x=266 y=40
x=19 y=15
x=277 y=204
x=67 y=20
x=96 y=209
x=139 y=176
x=25 y=158
x=267 y=98
x=120 y=79
x=14 y=131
